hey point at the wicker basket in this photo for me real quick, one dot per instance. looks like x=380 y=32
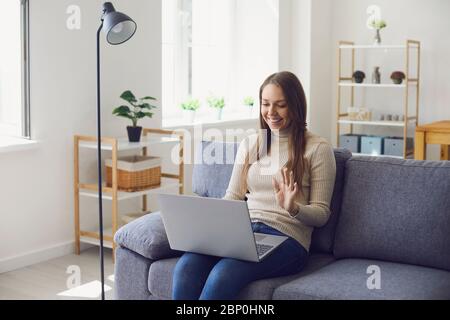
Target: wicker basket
x=135 y=173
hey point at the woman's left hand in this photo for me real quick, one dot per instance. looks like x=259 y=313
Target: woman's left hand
x=286 y=191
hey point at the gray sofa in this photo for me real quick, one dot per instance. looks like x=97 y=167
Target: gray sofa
x=388 y=236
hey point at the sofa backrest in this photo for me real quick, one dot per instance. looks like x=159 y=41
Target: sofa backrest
x=323 y=237
x=213 y=167
x=395 y=210
x=210 y=179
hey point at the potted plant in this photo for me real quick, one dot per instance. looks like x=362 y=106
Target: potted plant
x=397 y=77
x=189 y=107
x=378 y=24
x=218 y=104
x=358 y=76
x=139 y=109
x=249 y=102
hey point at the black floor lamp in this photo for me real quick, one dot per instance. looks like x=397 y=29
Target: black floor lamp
x=118 y=28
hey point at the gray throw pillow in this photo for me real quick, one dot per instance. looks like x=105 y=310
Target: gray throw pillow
x=147 y=237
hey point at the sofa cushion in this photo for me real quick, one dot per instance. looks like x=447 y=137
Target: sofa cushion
x=352 y=278
x=130 y=275
x=213 y=167
x=323 y=237
x=146 y=236
x=396 y=210
x=161 y=273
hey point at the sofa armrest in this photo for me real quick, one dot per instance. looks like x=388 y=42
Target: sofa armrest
x=147 y=237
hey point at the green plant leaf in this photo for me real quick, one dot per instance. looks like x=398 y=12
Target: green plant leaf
x=190 y=104
x=249 y=101
x=141 y=114
x=121 y=110
x=128 y=96
x=215 y=102
x=146 y=106
x=125 y=115
x=148 y=98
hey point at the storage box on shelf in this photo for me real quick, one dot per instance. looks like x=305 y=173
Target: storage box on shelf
x=372 y=145
x=135 y=173
x=127 y=177
x=364 y=120
x=393 y=146
x=351 y=142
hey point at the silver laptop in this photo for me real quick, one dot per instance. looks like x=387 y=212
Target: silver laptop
x=214 y=227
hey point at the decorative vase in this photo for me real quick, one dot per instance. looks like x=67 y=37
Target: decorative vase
x=376 y=76
x=377 y=37
x=358 y=76
x=134 y=133
x=189 y=116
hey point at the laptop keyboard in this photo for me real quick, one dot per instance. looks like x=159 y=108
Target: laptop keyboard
x=262 y=248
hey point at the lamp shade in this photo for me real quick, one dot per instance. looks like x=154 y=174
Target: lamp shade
x=118 y=26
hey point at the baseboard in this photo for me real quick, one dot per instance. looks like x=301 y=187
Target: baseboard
x=33 y=257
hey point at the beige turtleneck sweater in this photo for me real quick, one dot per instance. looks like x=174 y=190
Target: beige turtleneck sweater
x=317 y=185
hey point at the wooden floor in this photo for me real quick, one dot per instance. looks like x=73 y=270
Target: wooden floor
x=50 y=281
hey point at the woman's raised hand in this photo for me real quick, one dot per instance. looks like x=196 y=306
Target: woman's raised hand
x=286 y=191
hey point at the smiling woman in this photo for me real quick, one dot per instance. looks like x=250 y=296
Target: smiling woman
x=14 y=69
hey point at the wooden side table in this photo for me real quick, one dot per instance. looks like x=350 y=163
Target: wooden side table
x=432 y=133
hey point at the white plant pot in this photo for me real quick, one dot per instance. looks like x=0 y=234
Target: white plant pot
x=219 y=114
x=250 y=111
x=189 y=116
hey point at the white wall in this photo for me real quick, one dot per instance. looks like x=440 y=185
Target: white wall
x=426 y=21
x=305 y=49
x=37 y=186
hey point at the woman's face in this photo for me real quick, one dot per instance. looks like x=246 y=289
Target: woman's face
x=274 y=109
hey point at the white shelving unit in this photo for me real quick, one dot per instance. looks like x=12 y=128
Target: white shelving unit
x=346 y=83
x=371 y=85
x=151 y=137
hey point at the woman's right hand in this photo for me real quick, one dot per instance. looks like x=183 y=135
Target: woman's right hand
x=286 y=191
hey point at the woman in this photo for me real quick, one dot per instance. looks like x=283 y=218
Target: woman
x=289 y=201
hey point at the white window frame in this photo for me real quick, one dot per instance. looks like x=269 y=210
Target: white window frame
x=180 y=72
x=22 y=129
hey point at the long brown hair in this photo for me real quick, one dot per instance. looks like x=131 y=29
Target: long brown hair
x=296 y=101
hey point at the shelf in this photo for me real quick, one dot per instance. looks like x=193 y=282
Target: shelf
x=374 y=123
x=124 y=144
x=372 y=46
x=96 y=240
x=374 y=85
x=166 y=183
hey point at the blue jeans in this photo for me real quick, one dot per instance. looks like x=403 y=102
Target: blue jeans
x=198 y=276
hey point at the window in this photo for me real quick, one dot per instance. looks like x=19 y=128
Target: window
x=224 y=48
x=14 y=69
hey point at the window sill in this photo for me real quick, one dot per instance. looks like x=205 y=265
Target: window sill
x=13 y=144
x=176 y=124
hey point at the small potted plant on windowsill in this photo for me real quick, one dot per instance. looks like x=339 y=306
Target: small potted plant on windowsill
x=139 y=109
x=249 y=102
x=189 y=107
x=218 y=104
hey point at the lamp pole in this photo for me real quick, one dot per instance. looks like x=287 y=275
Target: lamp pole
x=99 y=167
x=119 y=28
